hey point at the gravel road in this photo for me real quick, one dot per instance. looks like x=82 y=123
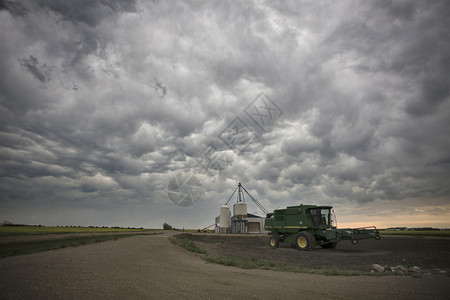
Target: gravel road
x=150 y=267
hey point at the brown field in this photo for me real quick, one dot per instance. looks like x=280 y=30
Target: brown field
x=431 y=254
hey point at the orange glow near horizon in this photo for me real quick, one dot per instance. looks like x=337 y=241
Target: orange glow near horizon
x=411 y=213
x=399 y=221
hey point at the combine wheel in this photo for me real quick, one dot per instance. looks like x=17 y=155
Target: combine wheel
x=274 y=241
x=329 y=245
x=304 y=241
x=354 y=242
x=377 y=237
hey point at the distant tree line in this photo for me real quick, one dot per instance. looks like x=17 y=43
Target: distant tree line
x=22 y=225
x=6 y=223
x=167 y=227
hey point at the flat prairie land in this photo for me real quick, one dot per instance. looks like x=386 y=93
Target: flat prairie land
x=19 y=240
x=7 y=231
x=151 y=267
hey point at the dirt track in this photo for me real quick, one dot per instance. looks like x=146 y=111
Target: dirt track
x=151 y=267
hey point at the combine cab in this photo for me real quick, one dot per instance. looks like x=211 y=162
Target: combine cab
x=306 y=226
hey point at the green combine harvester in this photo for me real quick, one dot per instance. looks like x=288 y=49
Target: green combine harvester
x=305 y=226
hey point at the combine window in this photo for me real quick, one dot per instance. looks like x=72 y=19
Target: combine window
x=320 y=216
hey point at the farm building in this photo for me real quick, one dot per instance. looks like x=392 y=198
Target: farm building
x=241 y=221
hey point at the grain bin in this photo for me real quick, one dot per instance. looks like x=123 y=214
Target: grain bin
x=240 y=210
x=224 y=217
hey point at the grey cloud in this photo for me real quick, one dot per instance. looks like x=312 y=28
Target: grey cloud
x=433 y=93
x=40 y=71
x=363 y=88
x=89 y=44
x=15 y=8
x=397 y=9
x=88 y=12
x=419 y=57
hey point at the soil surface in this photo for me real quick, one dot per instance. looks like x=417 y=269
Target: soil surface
x=151 y=267
x=428 y=253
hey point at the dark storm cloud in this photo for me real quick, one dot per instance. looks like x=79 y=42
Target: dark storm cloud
x=15 y=8
x=88 y=12
x=405 y=39
x=40 y=71
x=103 y=102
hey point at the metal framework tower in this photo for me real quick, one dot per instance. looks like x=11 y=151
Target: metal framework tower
x=240 y=197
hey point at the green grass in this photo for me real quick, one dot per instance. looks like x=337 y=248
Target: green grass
x=423 y=233
x=254 y=263
x=27 y=247
x=189 y=246
x=42 y=230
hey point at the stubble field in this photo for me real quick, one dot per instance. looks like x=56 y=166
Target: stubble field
x=430 y=254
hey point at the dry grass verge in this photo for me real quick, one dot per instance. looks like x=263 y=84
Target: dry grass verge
x=27 y=247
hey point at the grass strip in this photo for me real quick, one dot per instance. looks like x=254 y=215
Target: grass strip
x=188 y=245
x=19 y=248
x=6 y=231
x=254 y=263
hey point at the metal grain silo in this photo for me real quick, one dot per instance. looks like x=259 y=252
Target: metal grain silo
x=224 y=221
x=240 y=210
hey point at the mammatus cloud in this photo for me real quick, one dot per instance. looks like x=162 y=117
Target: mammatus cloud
x=103 y=103
x=40 y=71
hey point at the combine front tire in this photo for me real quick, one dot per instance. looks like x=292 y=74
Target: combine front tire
x=274 y=241
x=304 y=241
x=377 y=237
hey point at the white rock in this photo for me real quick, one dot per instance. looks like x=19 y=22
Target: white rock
x=416 y=269
x=378 y=268
x=399 y=270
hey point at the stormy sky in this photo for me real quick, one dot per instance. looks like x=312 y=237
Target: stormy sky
x=135 y=113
